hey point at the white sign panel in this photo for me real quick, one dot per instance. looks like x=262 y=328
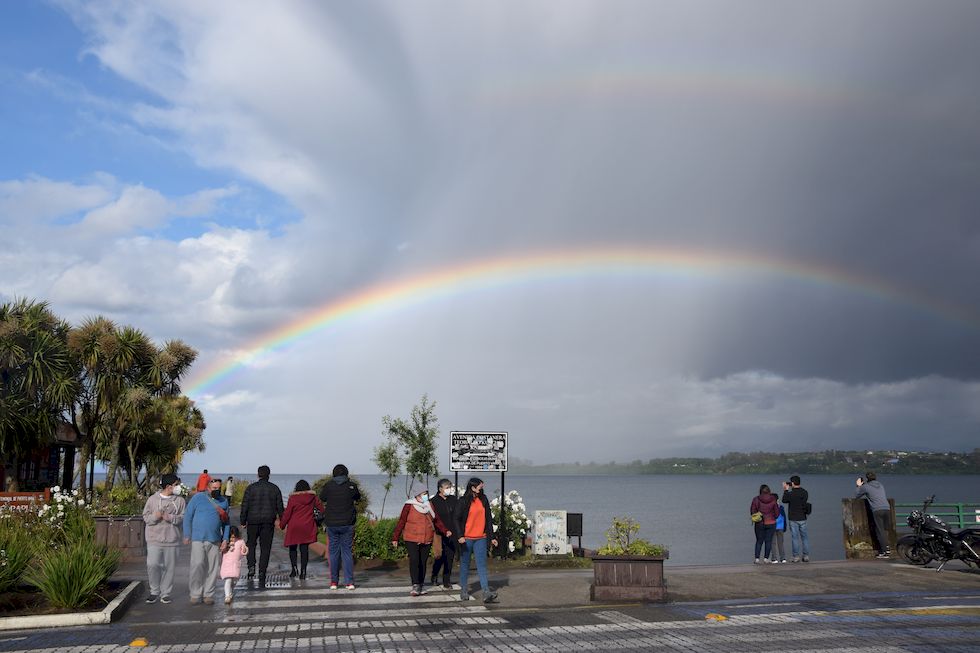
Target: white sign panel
x=472 y=451
x=550 y=532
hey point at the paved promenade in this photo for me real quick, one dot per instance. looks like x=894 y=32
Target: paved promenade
x=836 y=607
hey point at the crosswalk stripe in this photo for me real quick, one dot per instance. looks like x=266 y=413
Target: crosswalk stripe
x=337 y=615
x=323 y=590
x=322 y=602
x=450 y=621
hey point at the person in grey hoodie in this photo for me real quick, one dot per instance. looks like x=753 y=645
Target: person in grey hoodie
x=163 y=514
x=874 y=492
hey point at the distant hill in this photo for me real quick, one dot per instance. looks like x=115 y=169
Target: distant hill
x=763 y=462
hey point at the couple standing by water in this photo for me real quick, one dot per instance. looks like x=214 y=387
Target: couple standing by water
x=771 y=521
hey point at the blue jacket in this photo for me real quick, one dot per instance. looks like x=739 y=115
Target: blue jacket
x=201 y=521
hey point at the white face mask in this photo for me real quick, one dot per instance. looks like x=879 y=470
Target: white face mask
x=178 y=490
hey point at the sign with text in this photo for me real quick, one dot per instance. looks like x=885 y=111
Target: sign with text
x=550 y=532
x=472 y=451
x=24 y=500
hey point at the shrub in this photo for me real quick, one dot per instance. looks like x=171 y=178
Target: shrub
x=361 y=506
x=372 y=540
x=17 y=549
x=120 y=500
x=620 y=540
x=238 y=491
x=70 y=576
x=68 y=517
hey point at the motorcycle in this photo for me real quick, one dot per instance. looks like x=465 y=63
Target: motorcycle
x=932 y=539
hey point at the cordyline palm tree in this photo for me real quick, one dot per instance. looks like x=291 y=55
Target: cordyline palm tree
x=37 y=380
x=121 y=371
x=110 y=360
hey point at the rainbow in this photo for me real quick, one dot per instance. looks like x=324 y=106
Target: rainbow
x=558 y=265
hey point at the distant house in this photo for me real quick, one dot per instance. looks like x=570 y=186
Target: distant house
x=893 y=461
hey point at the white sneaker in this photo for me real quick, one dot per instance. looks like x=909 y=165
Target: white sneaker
x=757 y=561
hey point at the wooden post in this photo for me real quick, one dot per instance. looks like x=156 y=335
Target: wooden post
x=859 y=537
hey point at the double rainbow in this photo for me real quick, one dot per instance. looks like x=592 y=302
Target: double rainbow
x=544 y=266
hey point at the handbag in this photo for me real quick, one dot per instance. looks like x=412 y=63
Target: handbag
x=318 y=516
x=756 y=517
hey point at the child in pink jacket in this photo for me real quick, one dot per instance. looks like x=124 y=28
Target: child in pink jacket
x=231 y=562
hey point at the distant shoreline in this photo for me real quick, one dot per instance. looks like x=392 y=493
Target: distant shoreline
x=807 y=462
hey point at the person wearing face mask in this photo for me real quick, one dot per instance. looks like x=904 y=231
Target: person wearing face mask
x=444 y=504
x=419 y=523
x=208 y=531
x=476 y=532
x=163 y=514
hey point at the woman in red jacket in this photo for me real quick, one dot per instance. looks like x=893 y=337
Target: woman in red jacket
x=300 y=526
x=419 y=522
x=766 y=505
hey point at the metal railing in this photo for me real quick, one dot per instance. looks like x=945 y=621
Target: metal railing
x=957 y=515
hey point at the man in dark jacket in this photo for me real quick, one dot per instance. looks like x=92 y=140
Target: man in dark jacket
x=798 y=502
x=874 y=492
x=261 y=509
x=444 y=504
x=339 y=514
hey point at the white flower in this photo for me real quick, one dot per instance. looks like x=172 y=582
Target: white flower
x=494 y=528
x=81 y=502
x=74 y=493
x=56 y=489
x=510 y=545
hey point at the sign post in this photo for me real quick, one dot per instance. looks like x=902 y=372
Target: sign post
x=482 y=451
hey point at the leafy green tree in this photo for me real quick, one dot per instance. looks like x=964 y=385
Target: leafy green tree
x=36 y=377
x=389 y=462
x=417 y=440
x=120 y=373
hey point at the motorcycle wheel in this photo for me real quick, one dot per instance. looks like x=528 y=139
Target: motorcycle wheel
x=912 y=552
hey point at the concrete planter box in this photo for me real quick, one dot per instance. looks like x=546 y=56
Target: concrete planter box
x=628 y=578
x=125 y=533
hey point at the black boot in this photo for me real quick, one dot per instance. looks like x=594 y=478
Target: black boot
x=261 y=581
x=251 y=572
x=294 y=572
x=302 y=572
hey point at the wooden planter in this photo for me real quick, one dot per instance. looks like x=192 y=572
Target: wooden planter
x=629 y=578
x=125 y=533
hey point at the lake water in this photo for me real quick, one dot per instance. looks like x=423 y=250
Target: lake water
x=701 y=519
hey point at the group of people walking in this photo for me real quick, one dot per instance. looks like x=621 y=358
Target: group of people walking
x=454 y=525
x=217 y=548
x=770 y=520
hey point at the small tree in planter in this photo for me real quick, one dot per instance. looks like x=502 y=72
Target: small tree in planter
x=627 y=567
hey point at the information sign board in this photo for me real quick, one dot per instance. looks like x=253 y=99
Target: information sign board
x=550 y=532
x=472 y=451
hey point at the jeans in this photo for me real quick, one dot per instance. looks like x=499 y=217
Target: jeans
x=205 y=565
x=341 y=548
x=418 y=556
x=763 y=535
x=477 y=547
x=446 y=561
x=261 y=533
x=797 y=531
x=161 y=563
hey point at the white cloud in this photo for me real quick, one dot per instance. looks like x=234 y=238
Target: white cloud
x=218 y=403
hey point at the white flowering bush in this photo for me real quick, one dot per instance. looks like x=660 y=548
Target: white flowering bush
x=17 y=549
x=516 y=521
x=68 y=517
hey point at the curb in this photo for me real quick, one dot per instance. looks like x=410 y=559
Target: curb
x=106 y=615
